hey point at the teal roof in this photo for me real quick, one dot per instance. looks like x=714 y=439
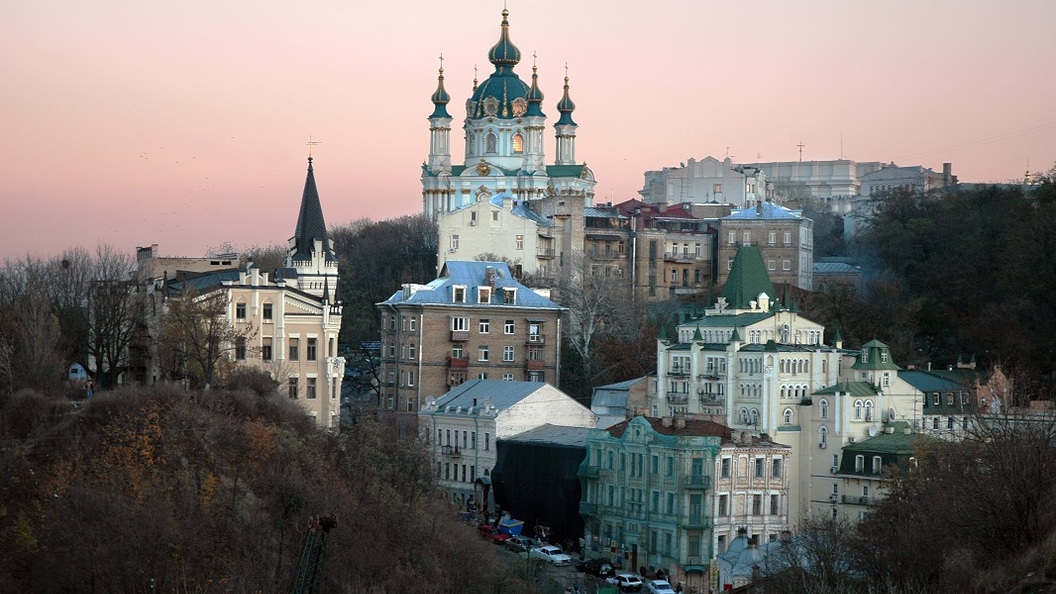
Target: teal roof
x=566 y=107
x=748 y=278
x=565 y=170
x=504 y=86
x=730 y=320
x=875 y=355
x=898 y=442
x=852 y=388
x=440 y=98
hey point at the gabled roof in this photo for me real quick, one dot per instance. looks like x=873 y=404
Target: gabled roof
x=929 y=382
x=202 y=283
x=473 y=275
x=748 y=278
x=878 y=357
x=558 y=435
x=474 y=395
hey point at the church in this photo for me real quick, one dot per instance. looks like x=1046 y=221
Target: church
x=504 y=191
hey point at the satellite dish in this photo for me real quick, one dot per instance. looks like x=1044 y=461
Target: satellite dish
x=872 y=430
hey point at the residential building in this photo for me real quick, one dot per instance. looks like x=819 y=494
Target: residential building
x=784 y=236
x=707 y=180
x=669 y=492
x=288 y=322
x=475 y=321
x=462 y=426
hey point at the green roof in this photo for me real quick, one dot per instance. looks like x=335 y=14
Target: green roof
x=564 y=170
x=898 y=442
x=878 y=357
x=748 y=278
x=730 y=320
x=852 y=388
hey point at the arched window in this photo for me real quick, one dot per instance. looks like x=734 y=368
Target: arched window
x=824 y=365
x=518 y=143
x=744 y=416
x=490 y=143
x=824 y=405
x=858 y=409
x=753 y=416
x=868 y=410
x=823 y=436
x=788 y=416
x=784 y=391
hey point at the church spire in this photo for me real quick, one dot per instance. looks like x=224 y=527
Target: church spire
x=504 y=53
x=566 y=106
x=440 y=98
x=310 y=224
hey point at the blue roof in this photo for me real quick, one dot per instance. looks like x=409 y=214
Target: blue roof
x=520 y=209
x=769 y=211
x=203 y=282
x=472 y=275
x=928 y=382
x=475 y=394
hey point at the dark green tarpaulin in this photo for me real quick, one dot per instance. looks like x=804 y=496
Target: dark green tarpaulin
x=537 y=483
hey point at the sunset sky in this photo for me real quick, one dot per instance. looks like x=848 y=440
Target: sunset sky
x=185 y=123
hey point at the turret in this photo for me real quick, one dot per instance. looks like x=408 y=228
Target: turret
x=566 y=129
x=440 y=128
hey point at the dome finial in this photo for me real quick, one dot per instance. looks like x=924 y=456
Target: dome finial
x=504 y=53
x=474 y=77
x=535 y=96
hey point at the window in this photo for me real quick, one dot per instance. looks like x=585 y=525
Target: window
x=482 y=375
x=654 y=464
x=311 y=349
x=490 y=142
x=310 y=388
x=724 y=505
x=265 y=350
x=771 y=237
x=775 y=505
x=823 y=437
x=732 y=237
x=494 y=216
x=412 y=351
x=507 y=353
x=520 y=242
x=483 y=294
x=720 y=545
x=458 y=294
x=725 y=469
x=788 y=238
x=484 y=326
x=509 y=296
x=757 y=505
x=240 y=311
x=759 y=468
x=510 y=327
x=858 y=409
x=267 y=311
x=293 y=388
x=776 y=468
x=786 y=265
x=410 y=378
x=487 y=441
x=717 y=188
x=788 y=416
x=294 y=354
x=454 y=242
x=859 y=463
x=878 y=463
x=483 y=353
x=824 y=409
x=507 y=377
x=240 y=348
x=747 y=236
x=459 y=324
x=771 y=264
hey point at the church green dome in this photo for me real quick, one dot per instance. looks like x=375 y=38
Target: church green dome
x=503 y=94
x=440 y=98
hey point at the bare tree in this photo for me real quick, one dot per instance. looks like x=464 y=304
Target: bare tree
x=197 y=342
x=115 y=307
x=28 y=320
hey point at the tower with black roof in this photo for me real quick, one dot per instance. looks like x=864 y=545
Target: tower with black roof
x=311 y=264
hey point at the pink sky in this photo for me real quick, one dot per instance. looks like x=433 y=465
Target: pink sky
x=184 y=123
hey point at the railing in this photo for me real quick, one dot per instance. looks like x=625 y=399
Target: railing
x=534 y=364
x=534 y=339
x=698 y=481
x=459 y=335
x=458 y=362
x=679 y=371
x=451 y=451
x=542 y=253
x=675 y=398
x=696 y=521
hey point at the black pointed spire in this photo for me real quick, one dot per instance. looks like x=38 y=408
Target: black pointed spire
x=310 y=223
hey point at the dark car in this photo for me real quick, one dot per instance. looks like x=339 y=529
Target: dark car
x=598 y=566
x=492 y=533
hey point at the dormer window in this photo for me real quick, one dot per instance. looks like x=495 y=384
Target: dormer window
x=458 y=294
x=865 y=356
x=509 y=296
x=883 y=356
x=483 y=294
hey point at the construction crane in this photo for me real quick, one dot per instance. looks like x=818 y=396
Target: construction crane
x=312 y=568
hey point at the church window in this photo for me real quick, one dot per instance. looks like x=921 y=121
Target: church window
x=240 y=311
x=858 y=409
x=518 y=143
x=490 y=142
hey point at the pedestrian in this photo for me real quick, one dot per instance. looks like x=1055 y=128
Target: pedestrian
x=89 y=388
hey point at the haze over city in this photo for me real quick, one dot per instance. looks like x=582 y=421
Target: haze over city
x=186 y=124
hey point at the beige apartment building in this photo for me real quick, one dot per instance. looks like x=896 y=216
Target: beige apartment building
x=475 y=321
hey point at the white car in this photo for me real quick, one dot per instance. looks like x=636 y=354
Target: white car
x=551 y=554
x=660 y=587
x=626 y=582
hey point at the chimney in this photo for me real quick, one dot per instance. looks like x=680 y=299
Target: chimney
x=489 y=276
x=680 y=423
x=666 y=421
x=947 y=175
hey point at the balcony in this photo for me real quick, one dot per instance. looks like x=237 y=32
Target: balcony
x=534 y=364
x=590 y=472
x=859 y=500
x=544 y=253
x=603 y=255
x=450 y=451
x=677 y=398
x=459 y=335
x=698 y=481
x=681 y=257
x=458 y=362
x=679 y=371
x=696 y=521
x=532 y=339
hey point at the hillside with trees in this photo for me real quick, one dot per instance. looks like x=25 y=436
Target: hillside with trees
x=168 y=490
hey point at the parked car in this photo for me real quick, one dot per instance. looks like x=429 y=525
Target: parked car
x=626 y=582
x=598 y=566
x=551 y=554
x=519 y=544
x=492 y=533
x=660 y=587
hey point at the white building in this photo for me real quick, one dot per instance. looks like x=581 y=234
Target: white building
x=707 y=180
x=461 y=426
